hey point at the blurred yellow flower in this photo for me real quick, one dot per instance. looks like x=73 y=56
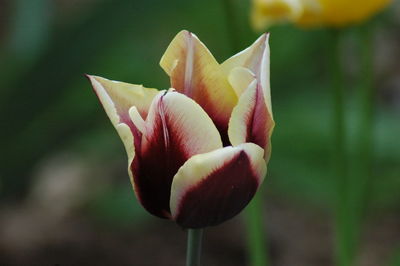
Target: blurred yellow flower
x=311 y=13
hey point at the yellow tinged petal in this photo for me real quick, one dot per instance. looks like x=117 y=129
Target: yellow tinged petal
x=312 y=13
x=195 y=72
x=137 y=119
x=126 y=136
x=118 y=97
x=265 y=13
x=256 y=58
x=240 y=78
x=315 y=13
x=343 y=12
x=238 y=125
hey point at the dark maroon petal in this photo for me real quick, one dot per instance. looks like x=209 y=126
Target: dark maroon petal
x=223 y=192
x=251 y=120
x=259 y=122
x=176 y=129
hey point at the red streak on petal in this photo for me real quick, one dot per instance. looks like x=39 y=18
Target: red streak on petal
x=189 y=65
x=185 y=79
x=164 y=123
x=161 y=157
x=220 y=196
x=259 y=121
x=200 y=95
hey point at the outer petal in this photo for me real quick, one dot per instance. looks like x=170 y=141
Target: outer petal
x=251 y=119
x=176 y=129
x=117 y=98
x=213 y=187
x=256 y=59
x=195 y=72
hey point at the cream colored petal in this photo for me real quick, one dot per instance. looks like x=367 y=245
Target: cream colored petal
x=242 y=116
x=137 y=119
x=127 y=138
x=257 y=59
x=183 y=120
x=240 y=78
x=118 y=97
x=195 y=72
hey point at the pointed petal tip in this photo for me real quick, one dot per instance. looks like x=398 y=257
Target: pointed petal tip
x=184 y=32
x=264 y=38
x=188 y=33
x=267 y=36
x=93 y=79
x=88 y=76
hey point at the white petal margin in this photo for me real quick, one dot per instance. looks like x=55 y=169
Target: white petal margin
x=126 y=136
x=257 y=59
x=199 y=168
x=184 y=122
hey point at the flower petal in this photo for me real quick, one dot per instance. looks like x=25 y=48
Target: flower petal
x=176 y=129
x=256 y=59
x=240 y=78
x=117 y=99
x=251 y=119
x=195 y=72
x=213 y=187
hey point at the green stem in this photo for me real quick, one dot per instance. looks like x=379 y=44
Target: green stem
x=194 y=247
x=343 y=220
x=359 y=182
x=257 y=247
x=364 y=135
x=258 y=250
x=232 y=28
x=395 y=260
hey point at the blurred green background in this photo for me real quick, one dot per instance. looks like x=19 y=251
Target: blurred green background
x=65 y=194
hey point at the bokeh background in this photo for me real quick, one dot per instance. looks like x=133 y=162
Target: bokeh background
x=65 y=196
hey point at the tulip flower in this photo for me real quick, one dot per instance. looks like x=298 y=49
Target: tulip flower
x=309 y=13
x=197 y=152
